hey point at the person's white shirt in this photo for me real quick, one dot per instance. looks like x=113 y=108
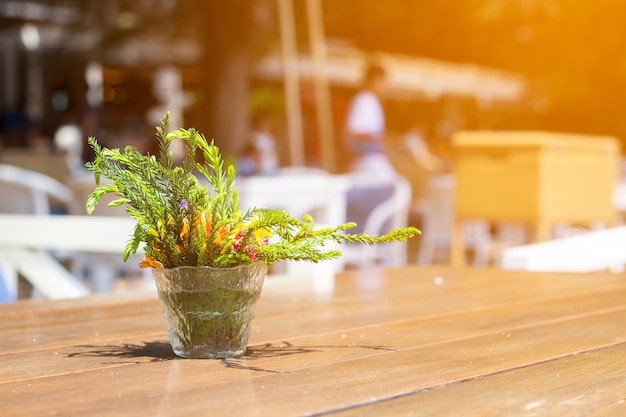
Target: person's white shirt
x=265 y=144
x=366 y=115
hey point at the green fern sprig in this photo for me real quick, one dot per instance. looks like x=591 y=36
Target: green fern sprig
x=182 y=222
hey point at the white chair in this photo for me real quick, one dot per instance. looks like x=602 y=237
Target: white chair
x=437 y=211
x=24 y=191
x=29 y=192
x=390 y=214
x=84 y=185
x=101 y=268
x=26 y=240
x=8 y=292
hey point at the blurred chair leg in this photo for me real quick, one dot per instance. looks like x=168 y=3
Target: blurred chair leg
x=457 y=251
x=543 y=231
x=102 y=277
x=393 y=254
x=8 y=281
x=426 y=253
x=103 y=269
x=478 y=233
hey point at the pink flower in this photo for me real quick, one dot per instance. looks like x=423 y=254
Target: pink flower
x=247 y=249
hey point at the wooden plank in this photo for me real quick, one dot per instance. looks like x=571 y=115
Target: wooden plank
x=275 y=312
x=94 y=332
x=263 y=383
x=74 y=314
x=101 y=301
x=380 y=335
x=276 y=320
x=591 y=384
x=149 y=333
x=615 y=409
x=421 y=282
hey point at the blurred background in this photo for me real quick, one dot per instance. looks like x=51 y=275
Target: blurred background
x=282 y=75
x=113 y=67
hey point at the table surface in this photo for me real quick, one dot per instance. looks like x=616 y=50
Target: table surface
x=406 y=341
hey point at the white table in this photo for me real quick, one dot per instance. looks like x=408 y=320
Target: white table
x=321 y=195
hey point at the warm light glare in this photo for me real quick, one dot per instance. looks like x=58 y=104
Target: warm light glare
x=30 y=37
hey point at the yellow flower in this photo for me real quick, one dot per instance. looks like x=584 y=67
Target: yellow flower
x=259 y=233
x=238 y=229
x=262 y=233
x=160 y=228
x=256 y=219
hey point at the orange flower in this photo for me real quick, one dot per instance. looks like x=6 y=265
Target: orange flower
x=184 y=230
x=150 y=262
x=222 y=233
x=203 y=219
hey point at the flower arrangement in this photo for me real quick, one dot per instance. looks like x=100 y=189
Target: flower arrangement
x=184 y=222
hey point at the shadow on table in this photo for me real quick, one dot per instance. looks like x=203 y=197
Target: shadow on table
x=270 y=350
x=162 y=351
x=155 y=351
x=283 y=349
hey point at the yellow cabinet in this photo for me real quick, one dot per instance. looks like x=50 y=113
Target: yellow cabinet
x=535 y=178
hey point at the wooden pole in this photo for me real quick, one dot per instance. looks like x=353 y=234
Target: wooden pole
x=292 y=85
x=320 y=83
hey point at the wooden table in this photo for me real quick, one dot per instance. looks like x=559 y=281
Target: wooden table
x=408 y=341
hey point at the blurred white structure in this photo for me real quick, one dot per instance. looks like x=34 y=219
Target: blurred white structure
x=300 y=191
x=598 y=250
x=406 y=75
x=25 y=191
x=390 y=214
x=26 y=239
x=437 y=211
x=69 y=140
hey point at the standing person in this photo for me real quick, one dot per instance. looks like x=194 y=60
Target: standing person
x=372 y=174
x=259 y=156
x=366 y=128
x=415 y=142
x=263 y=141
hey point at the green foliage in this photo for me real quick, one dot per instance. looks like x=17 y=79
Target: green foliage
x=183 y=222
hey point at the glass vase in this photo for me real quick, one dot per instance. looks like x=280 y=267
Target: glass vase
x=208 y=311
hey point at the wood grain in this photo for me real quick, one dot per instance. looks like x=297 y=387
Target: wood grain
x=405 y=341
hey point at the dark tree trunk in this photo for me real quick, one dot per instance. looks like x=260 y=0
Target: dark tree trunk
x=229 y=37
